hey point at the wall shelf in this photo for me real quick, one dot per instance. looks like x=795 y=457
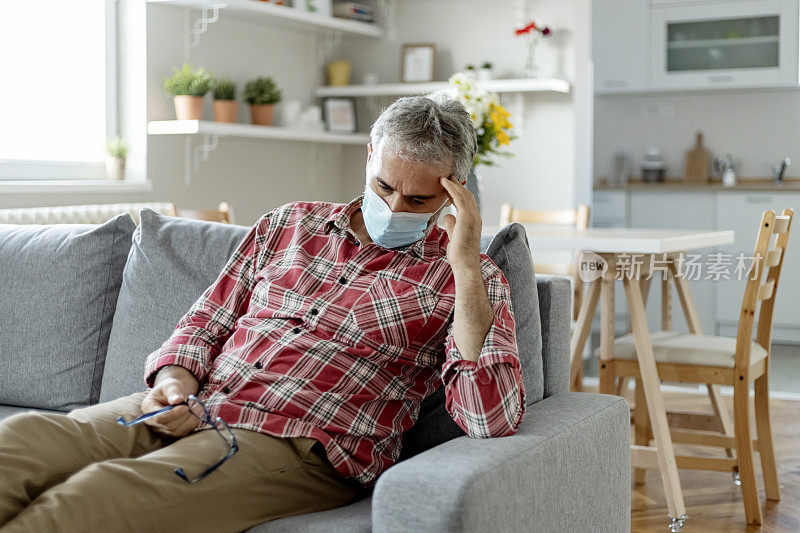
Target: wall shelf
x=227 y=129
x=284 y=16
x=521 y=85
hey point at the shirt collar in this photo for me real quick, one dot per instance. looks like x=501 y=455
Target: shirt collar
x=428 y=247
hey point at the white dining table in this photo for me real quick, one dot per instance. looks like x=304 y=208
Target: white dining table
x=616 y=247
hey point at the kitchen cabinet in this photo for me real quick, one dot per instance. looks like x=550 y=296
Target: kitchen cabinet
x=619 y=45
x=661 y=45
x=741 y=212
x=676 y=210
x=751 y=43
x=609 y=209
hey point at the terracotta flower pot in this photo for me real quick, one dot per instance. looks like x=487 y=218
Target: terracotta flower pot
x=262 y=114
x=188 y=107
x=226 y=110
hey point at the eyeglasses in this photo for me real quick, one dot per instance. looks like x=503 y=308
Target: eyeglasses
x=219 y=425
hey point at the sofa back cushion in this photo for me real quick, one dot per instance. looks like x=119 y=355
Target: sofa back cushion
x=509 y=250
x=58 y=291
x=171 y=262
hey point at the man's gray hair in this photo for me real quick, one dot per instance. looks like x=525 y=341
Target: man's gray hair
x=435 y=128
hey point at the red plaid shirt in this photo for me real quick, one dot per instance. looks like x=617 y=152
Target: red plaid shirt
x=307 y=332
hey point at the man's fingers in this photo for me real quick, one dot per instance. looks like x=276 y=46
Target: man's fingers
x=457 y=192
x=173 y=391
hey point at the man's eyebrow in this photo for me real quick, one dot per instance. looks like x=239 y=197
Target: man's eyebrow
x=414 y=196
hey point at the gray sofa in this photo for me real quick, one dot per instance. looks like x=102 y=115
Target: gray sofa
x=83 y=305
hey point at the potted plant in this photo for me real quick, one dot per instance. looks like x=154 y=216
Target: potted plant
x=226 y=108
x=485 y=72
x=188 y=85
x=116 y=152
x=262 y=94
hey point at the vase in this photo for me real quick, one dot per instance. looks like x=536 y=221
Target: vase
x=531 y=69
x=475 y=185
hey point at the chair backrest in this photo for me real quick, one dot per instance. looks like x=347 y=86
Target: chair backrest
x=577 y=218
x=768 y=256
x=223 y=213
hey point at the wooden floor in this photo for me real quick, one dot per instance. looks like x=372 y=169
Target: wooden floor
x=713 y=502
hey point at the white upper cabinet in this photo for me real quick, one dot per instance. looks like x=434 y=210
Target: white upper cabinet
x=661 y=45
x=736 y=44
x=619 y=45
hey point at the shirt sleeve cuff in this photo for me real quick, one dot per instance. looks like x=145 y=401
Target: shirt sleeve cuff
x=494 y=351
x=187 y=356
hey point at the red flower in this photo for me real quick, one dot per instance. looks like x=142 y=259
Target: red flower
x=530 y=27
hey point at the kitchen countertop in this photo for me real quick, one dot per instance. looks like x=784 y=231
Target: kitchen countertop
x=673 y=185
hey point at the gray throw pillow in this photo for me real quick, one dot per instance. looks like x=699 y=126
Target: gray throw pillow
x=58 y=292
x=509 y=250
x=171 y=262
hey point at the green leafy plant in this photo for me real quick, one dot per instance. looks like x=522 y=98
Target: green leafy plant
x=116 y=148
x=225 y=89
x=262 y=90
x=188 y=80
x=470 y=67
x=487 y=64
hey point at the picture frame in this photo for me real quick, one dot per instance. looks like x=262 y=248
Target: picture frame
x=418 y=62
x=339 y=114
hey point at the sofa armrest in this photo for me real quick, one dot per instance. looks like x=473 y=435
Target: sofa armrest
x=555 y=304
x=567 y=468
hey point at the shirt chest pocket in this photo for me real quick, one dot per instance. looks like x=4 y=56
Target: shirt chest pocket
x=391 y=314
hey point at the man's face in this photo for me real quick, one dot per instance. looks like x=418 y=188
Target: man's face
x=404 y=185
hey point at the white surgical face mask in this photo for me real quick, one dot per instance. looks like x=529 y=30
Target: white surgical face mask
x=389 y=229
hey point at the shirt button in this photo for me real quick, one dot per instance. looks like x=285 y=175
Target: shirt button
x=343 y=280
x=315 y=311
x=296 y=330
x=258 y=364
x=226 y=390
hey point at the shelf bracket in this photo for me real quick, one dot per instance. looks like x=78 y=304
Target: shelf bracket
x=198 y=155
x=322 y=158
x=192 y=35
x=323 y=46
x=373 y=106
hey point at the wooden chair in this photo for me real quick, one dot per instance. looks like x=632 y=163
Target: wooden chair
x=579 y=218
x=720 y=361
x=223 y=213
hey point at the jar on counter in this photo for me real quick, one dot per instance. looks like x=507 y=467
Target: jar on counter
x=653 y=166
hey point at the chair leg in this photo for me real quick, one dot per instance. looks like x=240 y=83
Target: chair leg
x=721 y=412
x=641 y=422
x=744 y=452
x=765 y=449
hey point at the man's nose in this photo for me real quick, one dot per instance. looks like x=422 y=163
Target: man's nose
x=395 y=203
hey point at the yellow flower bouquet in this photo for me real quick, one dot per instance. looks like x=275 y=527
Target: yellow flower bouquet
x=489 y=118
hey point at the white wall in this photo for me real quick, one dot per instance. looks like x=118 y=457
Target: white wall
x=758 y=127
x=256 y=176
x=542 y=173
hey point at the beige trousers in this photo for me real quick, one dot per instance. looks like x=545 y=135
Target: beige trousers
x=84 y=472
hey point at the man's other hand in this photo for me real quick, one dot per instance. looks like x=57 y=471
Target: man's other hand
x=173 y=387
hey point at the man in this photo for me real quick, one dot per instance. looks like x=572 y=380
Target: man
x=327 y=327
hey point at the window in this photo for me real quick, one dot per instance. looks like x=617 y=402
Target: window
x=58 y=98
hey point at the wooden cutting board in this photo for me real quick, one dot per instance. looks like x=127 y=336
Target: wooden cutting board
x=698 y=162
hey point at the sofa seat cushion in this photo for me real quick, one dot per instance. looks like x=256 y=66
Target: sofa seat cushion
x=355 y=517
x=8 y=410
x=672 y=348
x=171 y=262
x=58 y=292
